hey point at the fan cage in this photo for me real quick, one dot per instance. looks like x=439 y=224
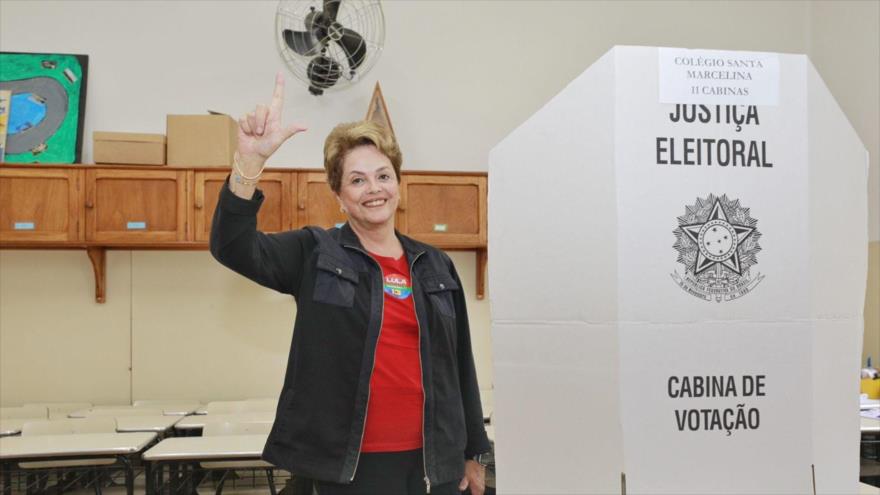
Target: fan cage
x=362 y=16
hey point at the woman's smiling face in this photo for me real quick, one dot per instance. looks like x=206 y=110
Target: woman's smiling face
x=369 y=192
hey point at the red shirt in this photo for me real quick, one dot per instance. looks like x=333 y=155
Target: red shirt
x=394 y=412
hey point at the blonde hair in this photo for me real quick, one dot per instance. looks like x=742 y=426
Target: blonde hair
x=345 y=137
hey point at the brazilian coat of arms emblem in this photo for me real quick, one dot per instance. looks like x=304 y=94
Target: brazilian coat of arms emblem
x=717 y=243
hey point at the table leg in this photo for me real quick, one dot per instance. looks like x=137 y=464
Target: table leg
x=174 y=477
x=129 y=476
x=148 y=470
x=271 y=479
x=188 y=474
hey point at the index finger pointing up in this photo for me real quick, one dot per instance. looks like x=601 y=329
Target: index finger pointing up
x=278 y=96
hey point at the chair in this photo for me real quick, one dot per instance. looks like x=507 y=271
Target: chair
x=231 y=428
x=69 y=427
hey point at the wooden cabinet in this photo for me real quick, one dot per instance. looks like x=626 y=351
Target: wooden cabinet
x=278 y=212
x=136 y=206
x=42 y=207
x=96 y=208
x=316 y=203
x=447 y=211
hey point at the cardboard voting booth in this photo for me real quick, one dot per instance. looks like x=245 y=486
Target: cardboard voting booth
x=678 y=261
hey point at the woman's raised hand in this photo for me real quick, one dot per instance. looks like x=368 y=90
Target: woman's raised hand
x=261 y=132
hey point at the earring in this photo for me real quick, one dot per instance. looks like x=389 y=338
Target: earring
x=343 y=210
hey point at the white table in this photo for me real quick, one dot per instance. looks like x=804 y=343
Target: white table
x=155 y=424
x=12 y=426
x=198 y=421
x=124 y=424
x=170 y=405
x=177 y=410
x=869 y=404
x=184 y=452
x=865 y=489
x=869 y=425
x=166 y=410
x=207 y=448
x=73 y=446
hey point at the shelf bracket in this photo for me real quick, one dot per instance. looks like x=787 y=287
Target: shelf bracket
x=98 y=256
x=482 y=261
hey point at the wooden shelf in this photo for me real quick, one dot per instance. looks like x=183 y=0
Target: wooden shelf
x=100 y=207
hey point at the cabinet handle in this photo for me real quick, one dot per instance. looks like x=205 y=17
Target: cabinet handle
x=90 y=205
x=301 y=205
x=199 y=205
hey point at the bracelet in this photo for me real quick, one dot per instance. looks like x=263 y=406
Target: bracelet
x=237 y=168
x=239 y=179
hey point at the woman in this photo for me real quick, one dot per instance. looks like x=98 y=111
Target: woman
x=380 y=393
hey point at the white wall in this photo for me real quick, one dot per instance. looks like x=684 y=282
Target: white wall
x=845 y=47
x=457 y=77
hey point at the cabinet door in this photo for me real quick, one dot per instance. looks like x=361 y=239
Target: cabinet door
x=316 y=203
x=136 y=206
x=40 y=205
x=446 y=211
x=276 y=214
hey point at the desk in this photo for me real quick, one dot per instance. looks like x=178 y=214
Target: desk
x=13 y=426
x=869 y=404
x=155 y=424
x=177 y=411
x=10 y=427
x=167 y=410
x=74 y=446
x=124 y=424
x=198 y=421
x=170 y=406
x=185 y=452
x=869 y=447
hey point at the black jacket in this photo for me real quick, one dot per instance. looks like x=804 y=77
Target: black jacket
x=339 y=295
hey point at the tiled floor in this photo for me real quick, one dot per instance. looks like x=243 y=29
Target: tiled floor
x=246 y=482
x=241 y=487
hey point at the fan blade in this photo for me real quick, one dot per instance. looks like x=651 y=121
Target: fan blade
x=354 y=47
x=301 y=42
x=331 y=8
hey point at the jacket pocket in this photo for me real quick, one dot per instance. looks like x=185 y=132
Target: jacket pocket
x=440 y=289
x=335 y=282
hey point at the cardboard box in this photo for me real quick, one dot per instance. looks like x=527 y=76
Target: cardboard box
x=201 y=140
x=129 y=148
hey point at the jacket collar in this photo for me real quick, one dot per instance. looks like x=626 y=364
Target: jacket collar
x=411 y=247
